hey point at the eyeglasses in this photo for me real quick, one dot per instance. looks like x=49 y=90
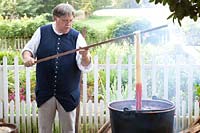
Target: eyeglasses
x=66 y=19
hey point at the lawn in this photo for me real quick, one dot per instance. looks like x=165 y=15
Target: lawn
x=100 y=23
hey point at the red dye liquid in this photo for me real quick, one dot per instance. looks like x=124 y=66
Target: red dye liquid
x=138 y=96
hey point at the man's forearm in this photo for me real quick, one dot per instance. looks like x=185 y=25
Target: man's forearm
x=26 y=54
x=86 y=60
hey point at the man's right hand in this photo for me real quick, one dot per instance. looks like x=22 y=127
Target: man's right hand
x=28 y=59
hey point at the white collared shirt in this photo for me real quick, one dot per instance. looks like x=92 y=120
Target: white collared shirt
x=34 y=42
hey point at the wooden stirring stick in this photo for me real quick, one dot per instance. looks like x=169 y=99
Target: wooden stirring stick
x=87 y=47
x=94 y=45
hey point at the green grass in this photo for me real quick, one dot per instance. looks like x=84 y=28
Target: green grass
x=100 y=23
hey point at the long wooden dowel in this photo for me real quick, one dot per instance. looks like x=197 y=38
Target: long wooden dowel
x=87 y=47
x=94 y=45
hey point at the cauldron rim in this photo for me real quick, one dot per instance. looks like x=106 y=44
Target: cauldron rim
x=172 y=106
x=13 y=127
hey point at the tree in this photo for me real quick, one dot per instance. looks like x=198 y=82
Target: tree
x=180 y=8
x=8 y=8
x=32 y=8
x=36 y=7
x=126 y=4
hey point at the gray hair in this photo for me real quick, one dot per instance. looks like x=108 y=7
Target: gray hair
x=64 y=9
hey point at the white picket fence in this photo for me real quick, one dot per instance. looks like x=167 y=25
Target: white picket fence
x=13 y=43
x=168 y=81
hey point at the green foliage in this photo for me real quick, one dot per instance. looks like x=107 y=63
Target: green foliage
x=130 y=27
x=180 y=8
x=112 y=27
x=197 y=90
x=127 y=4
x=92 y=35
x=100 y=23
x=113 y=51
x=33 y=8
x=22 y=84
x=8 y=9
x=97 y=27
x=127 y=26
x=35 y=23
x=99 y=4
x=124 y=26
x=10 y=54
x=24 y=27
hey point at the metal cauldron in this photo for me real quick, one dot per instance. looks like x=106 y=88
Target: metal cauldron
x=156 y=116
x=7 y=127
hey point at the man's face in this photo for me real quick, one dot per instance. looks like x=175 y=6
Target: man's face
x=64 y=23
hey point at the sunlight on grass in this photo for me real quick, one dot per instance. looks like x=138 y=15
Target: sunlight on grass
x=100 y=22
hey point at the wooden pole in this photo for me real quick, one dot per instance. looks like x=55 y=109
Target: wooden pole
x=106 y=128
x=78 y=49
x=1 y=84
x=84 y=32
x=95 y=44
x=77 y=118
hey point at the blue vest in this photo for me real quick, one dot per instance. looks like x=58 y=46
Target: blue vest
x=57 y=77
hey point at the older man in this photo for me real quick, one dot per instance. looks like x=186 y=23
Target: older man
x=57 y=80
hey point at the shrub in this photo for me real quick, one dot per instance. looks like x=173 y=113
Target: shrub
x=92 y=35
x=124 y=27
x=10 y=57
x=24 y=27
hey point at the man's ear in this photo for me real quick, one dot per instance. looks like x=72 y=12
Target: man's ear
x=54 y=18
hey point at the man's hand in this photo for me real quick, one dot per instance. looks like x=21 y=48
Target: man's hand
x=85 y=56
x=28 y=59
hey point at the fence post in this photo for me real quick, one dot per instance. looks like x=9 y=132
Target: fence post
x=1 y=92
x=5 y=89
x=1 y=83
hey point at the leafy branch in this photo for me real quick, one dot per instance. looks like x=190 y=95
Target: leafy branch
x=180 y=8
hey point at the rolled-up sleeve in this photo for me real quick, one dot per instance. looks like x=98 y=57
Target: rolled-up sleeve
x=82 y=43
x=33 y=43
